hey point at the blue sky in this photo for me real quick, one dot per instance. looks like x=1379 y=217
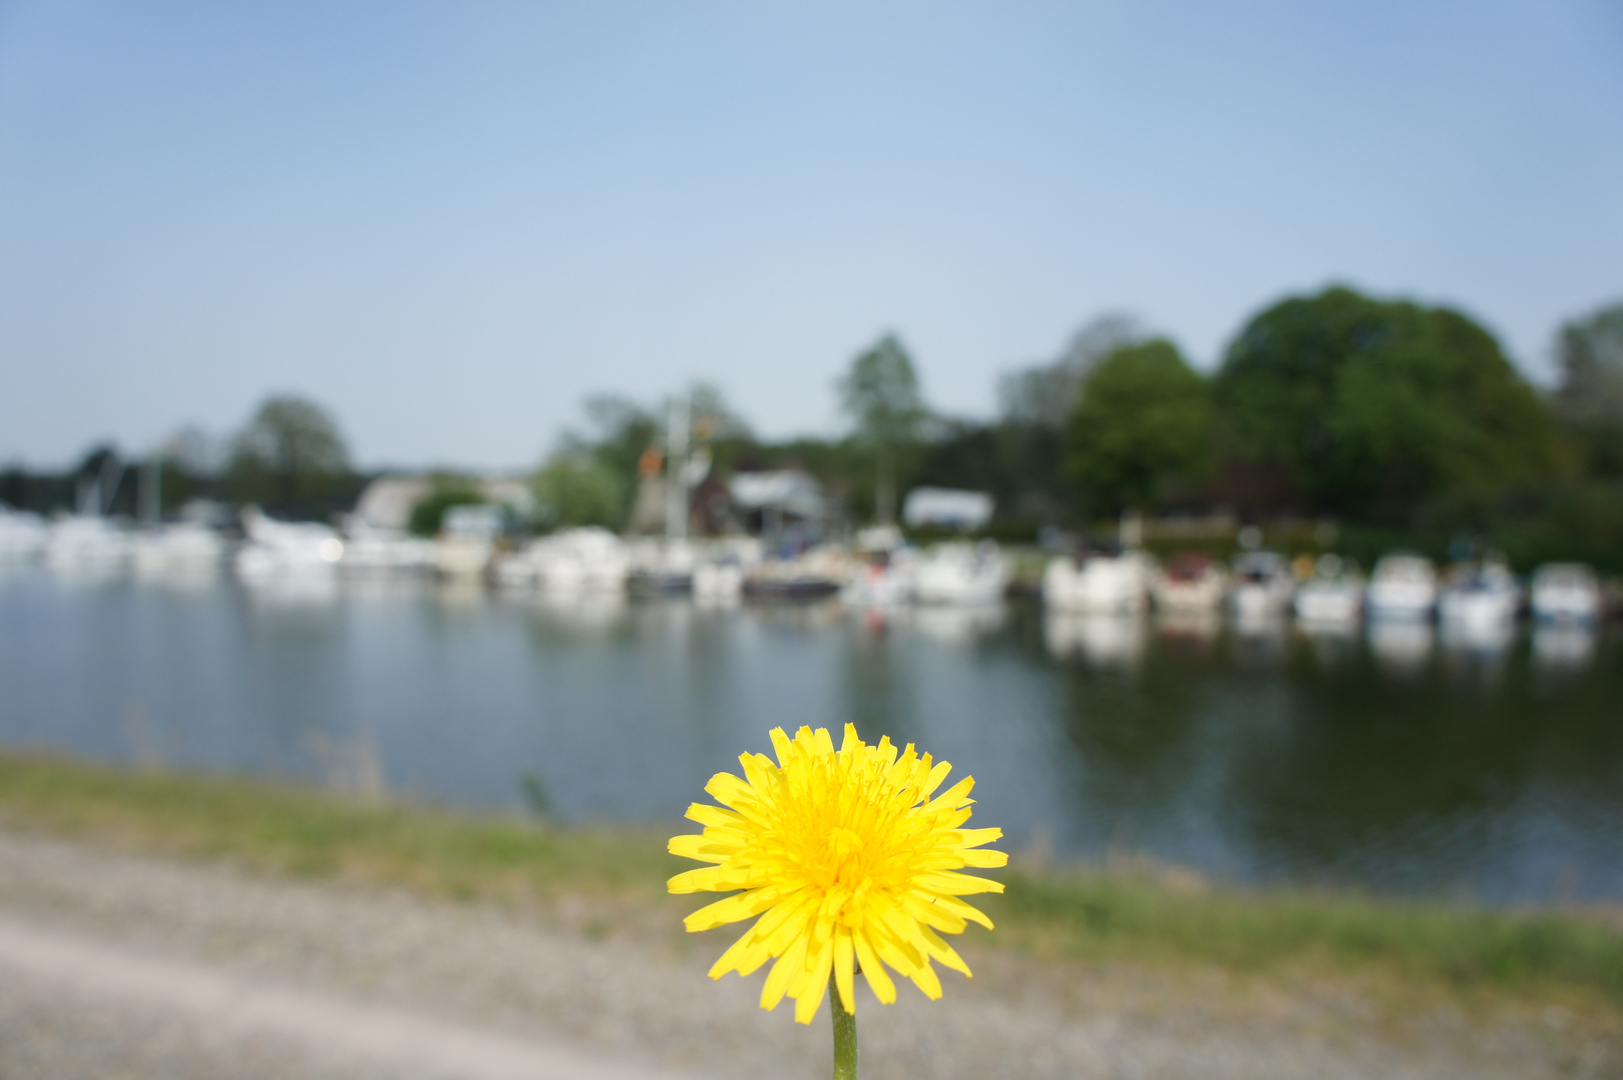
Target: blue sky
x=451 y=222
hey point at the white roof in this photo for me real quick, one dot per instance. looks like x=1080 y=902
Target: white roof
x=947 y=506
x=785 y=489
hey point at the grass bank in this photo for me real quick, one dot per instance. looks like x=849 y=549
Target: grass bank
x=1134 y=915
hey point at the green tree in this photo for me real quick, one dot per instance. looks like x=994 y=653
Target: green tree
x=1143 y=421
x=1027 y=451
x=1376 y=406
x=1045 y=394
x=1589 y=400
x=445 y=491
x=881 y=395
x=290 y=458
x=574 y=487
x=623 y=432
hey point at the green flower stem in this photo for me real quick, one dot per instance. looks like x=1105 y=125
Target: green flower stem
x=845 y=1035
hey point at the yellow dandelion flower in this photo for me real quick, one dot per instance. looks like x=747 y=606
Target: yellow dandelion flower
x=848 y=860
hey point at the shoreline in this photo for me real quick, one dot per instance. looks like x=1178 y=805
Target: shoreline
x=1142 y=914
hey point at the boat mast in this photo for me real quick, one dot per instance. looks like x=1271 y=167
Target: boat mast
x=676 y=468
x=151 y=493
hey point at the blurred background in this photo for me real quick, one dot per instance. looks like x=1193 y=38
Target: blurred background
x=1206 y=426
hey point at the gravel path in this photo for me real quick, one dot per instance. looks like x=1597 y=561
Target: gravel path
x=115 y=966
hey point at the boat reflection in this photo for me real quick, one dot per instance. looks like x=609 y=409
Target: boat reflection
x=1332 y=642
x=1401 y=647
x=585 y=613
x=957 y=625
x=1479 y=639
x=1559 y=648
x=1103 y=640
x=1196 y=626
x=1261 y=634
x=317 y=589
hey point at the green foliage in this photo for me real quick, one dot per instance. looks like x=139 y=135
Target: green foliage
x=578 y=488
x=285 y=829
x=446 y=490
x=1143 y=421
x=1137 y=915
x=881 y=395
x=1377 y=406
x=1044 y=395
x=1590 y=398
x=624 y=431
x=291 y=459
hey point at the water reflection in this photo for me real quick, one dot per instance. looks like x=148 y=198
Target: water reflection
x=587 y=614
x=1199 y=627
x=957 y=624
x=292 y=590
x=1106 y=640
x=1254 y=750
x=1260 y=640
x=1333 y=644
x=1402 y=647
x=1563 y=648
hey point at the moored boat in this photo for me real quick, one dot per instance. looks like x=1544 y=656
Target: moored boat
x=1333 y=596
x=1480 y=602
x=278 y=550
x=1189 y=582
x=1565 y=594
x=1261 y=588
x=1102 y=580
x=961 y=574
x=1403 y=586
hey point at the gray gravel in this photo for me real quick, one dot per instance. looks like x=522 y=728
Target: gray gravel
x=116 y=966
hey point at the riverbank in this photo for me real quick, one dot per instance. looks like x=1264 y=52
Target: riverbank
x=1141 y=915
x=122 y=966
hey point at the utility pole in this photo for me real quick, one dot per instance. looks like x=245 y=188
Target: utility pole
x=151 y=492
x=676 y=467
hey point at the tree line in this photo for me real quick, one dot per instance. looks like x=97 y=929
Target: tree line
x=1403 y=423
x=1398 y=420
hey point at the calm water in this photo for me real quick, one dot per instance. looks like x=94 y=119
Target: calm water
x=1392 y=760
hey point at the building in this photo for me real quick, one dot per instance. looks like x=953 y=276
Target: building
x=946 y=508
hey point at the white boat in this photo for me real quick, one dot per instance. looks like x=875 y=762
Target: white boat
x=1480 y=604
x=885 y=580
x=89 y=545
x=467 y=541
x=184 y=550
x=662 y=567
x=961 y=573
x=587 y=559
x=1402 y=587
x=278 y=550
x=1565 y=594
x=718 y=581
x=813 y=574
x=372 y=551
x=1332 y=597
x=1098 y=581
x=1190 y=582
x=462 y=559
x=22 y=535
x=1261 y=589
x=1476 y=621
